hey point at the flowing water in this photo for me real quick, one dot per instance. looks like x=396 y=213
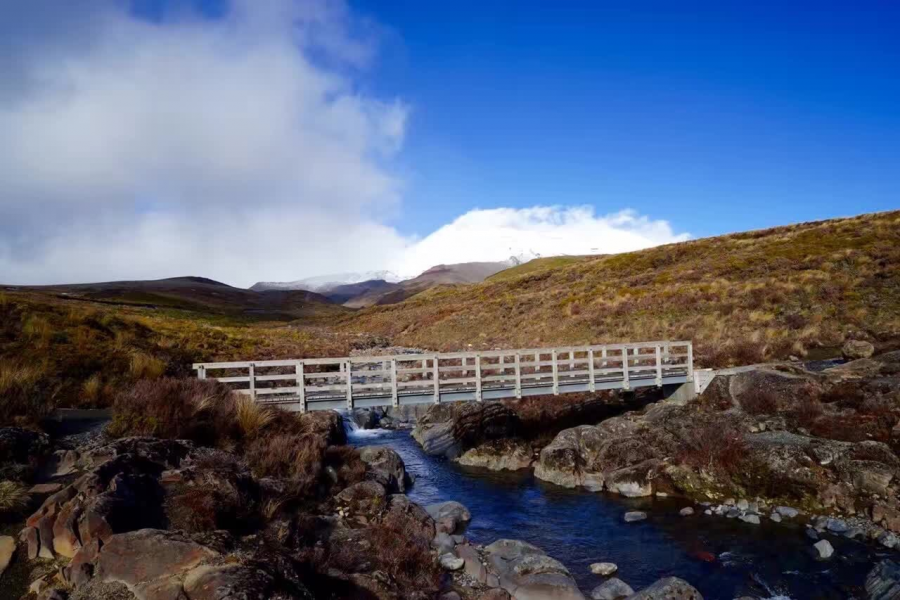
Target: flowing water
x=723 y=558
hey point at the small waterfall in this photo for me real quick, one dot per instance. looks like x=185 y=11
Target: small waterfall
x=354 y=431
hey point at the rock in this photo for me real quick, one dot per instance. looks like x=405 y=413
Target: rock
x=775 y=517
x=228 y=581
x=37 y=586
x=473 y=565
x=451 y=563
x=888 y=540
x=527 y=573
x=451 y=428
x=499 y=455
x=45 y=533
x=449 y=517
x=634 y=516
x=43 y=489
x=142 y=556
x=450 y=596
x=823 y=549
x=686 y=511
x=855 y=349
x=7 y=550
x=365 y=497
x=19 y=450
x=401 y=504
x=812 y=533
x=385 y=466
x=494 y=594
x=443 y=543
x=742 y=505
x=53 y=594
x=670 y=588
x=787 y=512
x=883 y=581
x=748 y=518
x=888 y=517
x=604 y=569
x=33 y=541
x=65 y=537
x=837 y=525
x=611 y=589
x=365 y=418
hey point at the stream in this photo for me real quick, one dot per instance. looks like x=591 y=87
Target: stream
x=723 y=558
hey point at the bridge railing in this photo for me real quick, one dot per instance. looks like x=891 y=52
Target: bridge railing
x=348 y=382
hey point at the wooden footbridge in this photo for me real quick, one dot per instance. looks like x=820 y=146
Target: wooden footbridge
x=406 y=379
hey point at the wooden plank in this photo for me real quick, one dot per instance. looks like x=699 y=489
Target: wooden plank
x=518 y=376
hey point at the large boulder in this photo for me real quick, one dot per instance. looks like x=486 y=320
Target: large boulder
x=527 y=573
x=386 y=467
x=450 y=429
x=450 y=517
x=500 y=455
x=670 y=588
x=856 y=349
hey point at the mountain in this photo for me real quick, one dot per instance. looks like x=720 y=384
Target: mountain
x=799 y=290
x=324 y=283
x=385 y=287
x=198 y=294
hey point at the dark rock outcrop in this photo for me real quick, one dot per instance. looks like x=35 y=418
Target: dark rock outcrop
x=386 y=467
x=449 y=429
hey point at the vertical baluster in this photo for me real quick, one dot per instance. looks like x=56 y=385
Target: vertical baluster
x=591 y=379
x=658 y=365
x=555 y=372
x=478 y=377
x=518 y=376
x=252 y=378
x=690 y=361
x=301 y=384
x=395 y=395
x=347 y=368
x=625 y=360
x=437 y=380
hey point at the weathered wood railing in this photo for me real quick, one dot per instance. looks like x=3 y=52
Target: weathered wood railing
x=369 y=381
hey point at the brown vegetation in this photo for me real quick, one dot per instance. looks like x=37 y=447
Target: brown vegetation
x=741 y=298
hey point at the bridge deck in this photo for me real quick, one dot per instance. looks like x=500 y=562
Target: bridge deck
x=407 y=379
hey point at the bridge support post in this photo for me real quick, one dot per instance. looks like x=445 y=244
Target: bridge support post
x=679 y=393
x=201 y=372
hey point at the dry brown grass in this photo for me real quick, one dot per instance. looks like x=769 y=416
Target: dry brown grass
x=251 y=416
x=716 y=447
x=741 y=298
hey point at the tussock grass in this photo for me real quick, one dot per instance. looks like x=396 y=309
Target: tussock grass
x=13 y=497
x=251 y=416
x=741 y=298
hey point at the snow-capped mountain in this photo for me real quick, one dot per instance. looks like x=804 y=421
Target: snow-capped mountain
x=324 y=283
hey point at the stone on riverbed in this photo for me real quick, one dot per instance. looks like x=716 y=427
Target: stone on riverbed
x=449 y=517
x=883 y=581
x=634 y=516
x=7 y=549
x=787 y=512
x=451 y=563
x=611 y=589
x=824 y=549
x=527 y=573
x=604 y=569
x=752 y=519
x=686 y=511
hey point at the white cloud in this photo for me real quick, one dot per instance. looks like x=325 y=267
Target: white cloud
x=238 y=148
x=499 y=233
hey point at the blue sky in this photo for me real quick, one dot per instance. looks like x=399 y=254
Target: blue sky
x=717 y=116
x=250 y=140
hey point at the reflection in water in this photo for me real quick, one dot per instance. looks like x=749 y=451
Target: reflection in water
x=721 y=557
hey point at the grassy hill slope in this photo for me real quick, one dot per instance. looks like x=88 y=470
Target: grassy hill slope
x=742 y=298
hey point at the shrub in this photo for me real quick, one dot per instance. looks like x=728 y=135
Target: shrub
x=192 y=409
x=25 y=393
x=13 y=497
x=401 y=550
x=288 y=456
x=92 y=388
x=251 y=416
x=764 y=402
x=715 y=447
x=144 y=366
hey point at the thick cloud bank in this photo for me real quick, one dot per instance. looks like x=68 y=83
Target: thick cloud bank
x=238 y=147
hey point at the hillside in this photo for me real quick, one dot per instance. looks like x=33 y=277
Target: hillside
x=198 y=294
x=794 y=290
